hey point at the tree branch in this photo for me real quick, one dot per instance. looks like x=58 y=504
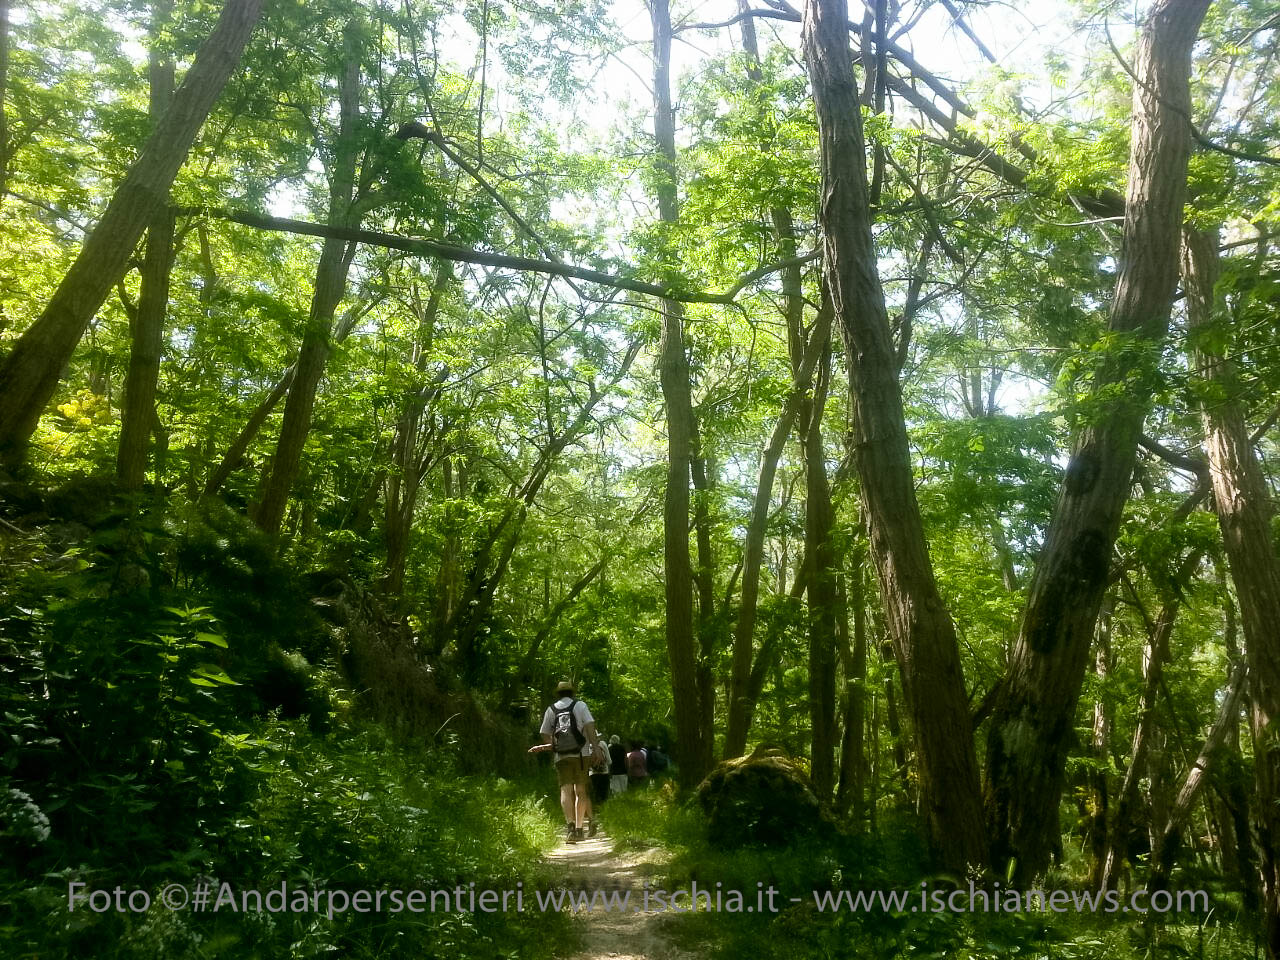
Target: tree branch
x=434 y=248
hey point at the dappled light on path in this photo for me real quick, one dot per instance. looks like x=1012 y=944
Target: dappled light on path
x=631 y=934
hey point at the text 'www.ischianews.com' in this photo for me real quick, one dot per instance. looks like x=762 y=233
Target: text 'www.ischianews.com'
x=213 y=896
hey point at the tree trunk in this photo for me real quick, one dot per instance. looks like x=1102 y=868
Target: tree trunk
x=741 y=704
x=444 y=607
x=894 y=723
x=408 y=469
x=769 y=653
x=819 y=518
x=1231 y=775
x=1155 y=654
x=1031 y=723
x=138 y=408
x=240 y=445
x=30 y=373
x=673 y=368
x=1099 y=781
x=1244 y=514
x=1168 y=836
x=330 y=287
x=704 y=579
x=851 y=792
x=923 y=636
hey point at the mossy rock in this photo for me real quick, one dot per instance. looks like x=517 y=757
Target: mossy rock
x=764 y=799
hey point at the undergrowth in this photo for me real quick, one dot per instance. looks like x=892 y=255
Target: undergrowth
x=350 y=813
x=892 y=859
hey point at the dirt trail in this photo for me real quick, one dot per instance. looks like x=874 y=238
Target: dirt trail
x=633 y=935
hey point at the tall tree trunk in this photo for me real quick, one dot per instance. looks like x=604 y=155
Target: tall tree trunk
x=819 y=517
x=673 y=369
x=138 y=408
x=741 y=704
x=923 y=636
x=1031 y=723
x=330 y=287
x=30 y=373
x=894 y=723
x=1244 y=514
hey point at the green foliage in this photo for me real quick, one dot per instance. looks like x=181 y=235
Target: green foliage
x=347 y=814
x=181 y=696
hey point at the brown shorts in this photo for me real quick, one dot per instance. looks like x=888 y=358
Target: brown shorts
x=572 y=770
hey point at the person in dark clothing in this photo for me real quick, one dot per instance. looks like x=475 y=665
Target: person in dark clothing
x=617 y=765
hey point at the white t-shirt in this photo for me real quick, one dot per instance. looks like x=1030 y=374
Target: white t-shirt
x=580 y=713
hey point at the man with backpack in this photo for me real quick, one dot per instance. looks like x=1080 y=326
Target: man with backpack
x=570 y=731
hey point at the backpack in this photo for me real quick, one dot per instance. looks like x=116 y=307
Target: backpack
x=636 y=766
x=566 y=738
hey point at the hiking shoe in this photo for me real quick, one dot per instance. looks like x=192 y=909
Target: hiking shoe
x=570 y=833
x=580 y=834
x=592 y=831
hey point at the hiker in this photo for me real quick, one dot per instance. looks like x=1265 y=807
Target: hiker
x=617 y=765
x=637 y=764
x=600 y=776
x=569 y=730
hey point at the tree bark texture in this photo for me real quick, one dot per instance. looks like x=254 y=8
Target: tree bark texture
x=1244 y=512
x=1032 y=721
x=920 y=628
x=29 y=374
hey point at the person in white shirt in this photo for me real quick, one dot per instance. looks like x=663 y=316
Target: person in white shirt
x=569 y=730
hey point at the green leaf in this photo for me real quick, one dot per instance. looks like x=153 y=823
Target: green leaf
x=209 y=675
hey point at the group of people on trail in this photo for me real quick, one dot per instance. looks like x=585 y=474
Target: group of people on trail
x=587 y=769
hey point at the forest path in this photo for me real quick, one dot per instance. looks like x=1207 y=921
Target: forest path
x=630 y=934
